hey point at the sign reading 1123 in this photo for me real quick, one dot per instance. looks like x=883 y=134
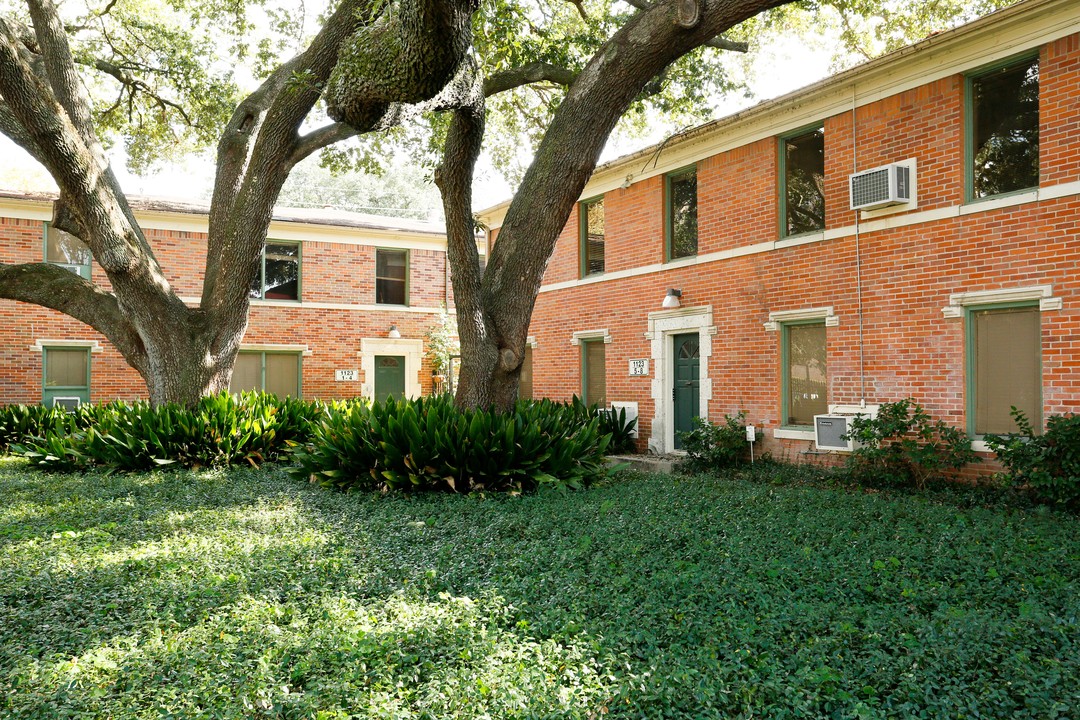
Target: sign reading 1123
x=639 y=367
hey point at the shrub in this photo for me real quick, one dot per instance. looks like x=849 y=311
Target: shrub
x=902 y=446
x=612 y=422
x=430 y=444
x=713 y=447
x=221 y=430
x=1048 y=464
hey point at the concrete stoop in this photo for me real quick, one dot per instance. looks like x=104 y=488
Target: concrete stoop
x=647 y=463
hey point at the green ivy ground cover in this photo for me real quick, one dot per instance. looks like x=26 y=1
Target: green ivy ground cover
x=247 y=594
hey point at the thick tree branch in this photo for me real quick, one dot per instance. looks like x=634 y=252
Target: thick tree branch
x=527 y=75
x=320 y=138
x=67 y=86
x=719 y=42
x=10 y=127
x=60 y=289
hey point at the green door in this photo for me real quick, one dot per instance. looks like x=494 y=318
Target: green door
x=389 y=377
x=684 y=394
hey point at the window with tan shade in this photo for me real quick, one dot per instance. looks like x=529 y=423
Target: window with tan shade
x=272 y=372
x=1005 y=368
x=525 y=380
x=593 y=373
x=66 y=375
x=804 y=373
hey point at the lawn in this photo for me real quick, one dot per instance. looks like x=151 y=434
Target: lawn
x=248 y=594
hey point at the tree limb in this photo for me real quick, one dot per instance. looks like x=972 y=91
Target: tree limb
x=60 y=289
x=719 y=42
x=65 y=82
x=526 y=75
x=320 y=138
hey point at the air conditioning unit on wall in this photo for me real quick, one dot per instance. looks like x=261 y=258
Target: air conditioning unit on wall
x=829 y=429
x=880 y=187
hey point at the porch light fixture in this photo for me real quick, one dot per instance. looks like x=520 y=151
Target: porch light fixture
x=394 y=334
x=628 y=181
x=671 y=300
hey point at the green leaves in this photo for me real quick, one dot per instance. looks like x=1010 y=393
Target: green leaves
x=1047 y=463
x=429 y=444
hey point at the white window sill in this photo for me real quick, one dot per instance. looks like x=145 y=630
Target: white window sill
x=792 y=434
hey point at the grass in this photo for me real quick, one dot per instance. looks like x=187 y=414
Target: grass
x=247 y=594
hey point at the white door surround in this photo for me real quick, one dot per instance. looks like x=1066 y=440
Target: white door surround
x=411 y=349
x=662 y=326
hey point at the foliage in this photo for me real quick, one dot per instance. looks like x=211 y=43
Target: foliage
x=399 y=191
x=242 y=594
x=441 y=342
x=1047 y=463
x=901 y=445
x=220 y=430
x=710 y=447
x=430 y=444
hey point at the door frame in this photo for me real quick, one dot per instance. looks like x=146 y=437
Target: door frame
x=411 y=349
x=663 y=325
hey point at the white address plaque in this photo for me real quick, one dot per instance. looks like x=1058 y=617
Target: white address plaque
x=639 y=367
x=346 y=375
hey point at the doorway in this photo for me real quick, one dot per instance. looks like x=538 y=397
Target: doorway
x=686 y=383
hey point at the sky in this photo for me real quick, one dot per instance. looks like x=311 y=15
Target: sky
x=780 y=67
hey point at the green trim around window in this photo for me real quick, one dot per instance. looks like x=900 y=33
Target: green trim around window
x=781 y=178
x=785 y=373
x=299 y=270
x=669 y=231
x=969 y=362
x=262 y=367
x=408 y=274
x=84 y=270
x=969 y=123
x=583 y=235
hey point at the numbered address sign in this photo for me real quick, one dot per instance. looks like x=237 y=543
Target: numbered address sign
x=639 y=367
x=346 y=375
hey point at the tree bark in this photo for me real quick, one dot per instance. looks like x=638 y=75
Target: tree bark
x=565 y=159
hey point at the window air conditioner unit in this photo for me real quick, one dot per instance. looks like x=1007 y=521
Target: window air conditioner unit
x=881 y=187
x=68 y=403
x=829 y=431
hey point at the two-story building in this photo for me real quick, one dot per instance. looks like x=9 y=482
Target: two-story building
x=340 y=307
x=907 y=228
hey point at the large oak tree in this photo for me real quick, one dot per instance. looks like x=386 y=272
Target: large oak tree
x=71 y=81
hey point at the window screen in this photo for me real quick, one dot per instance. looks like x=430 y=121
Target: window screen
x=283 y=374
x=1008 y=368
x=525 y=380
x=279 y=273
x=67 y=368
x=592 y=236
x=595 y=379
x=1005 y=129
x=247 y=373
x=804 y=182
x=804 y=374
x=682 y=215
x=390 y=273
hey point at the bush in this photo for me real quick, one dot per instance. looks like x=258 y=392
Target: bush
x=1048 y=464
x=612 y=422
x=429 y=444
x=713 y=447
x=902 y=446
x=221 y=430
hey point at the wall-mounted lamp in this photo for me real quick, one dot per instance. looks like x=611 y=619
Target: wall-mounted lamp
x=671 y=300
x=393 y=332
x=626 y=183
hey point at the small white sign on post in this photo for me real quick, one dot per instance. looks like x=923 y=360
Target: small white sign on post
x=346 y=375
x=639 y=367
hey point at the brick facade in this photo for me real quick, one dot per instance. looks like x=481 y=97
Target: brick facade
x=905 y=268
x=336 y=312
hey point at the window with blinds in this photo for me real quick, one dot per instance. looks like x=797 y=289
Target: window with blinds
x=1006 y=368
x=525 y=379
x=274 y=372
x=594 y=373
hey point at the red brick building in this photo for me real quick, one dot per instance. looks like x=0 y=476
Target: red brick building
x=960 y=288
x=340 y=309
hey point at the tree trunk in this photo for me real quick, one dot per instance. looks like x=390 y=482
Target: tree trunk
x=498 y=307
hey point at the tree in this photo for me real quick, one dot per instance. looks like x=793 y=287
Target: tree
x=377 y=67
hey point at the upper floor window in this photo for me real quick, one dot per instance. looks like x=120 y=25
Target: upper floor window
x=681 y=214
x=391 y=273
x=802 y=197
x=65 y=249
x=1004 y=136
x=592 y=237
x=279 y=272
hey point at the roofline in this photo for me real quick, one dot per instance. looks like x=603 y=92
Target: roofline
x=844 y=77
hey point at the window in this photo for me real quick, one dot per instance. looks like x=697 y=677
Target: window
x=592 y=237
x=279 y=273
x=391 y=272
x=1004 y=367
x=1004 y=131
x=277 y=373
x=593 y=373
x=525 y=379
x=802 y=197
x=65 y=249
x=804 y=373
x=681 y=214
x=66 y=376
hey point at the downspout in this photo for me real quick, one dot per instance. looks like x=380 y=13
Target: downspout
x=858 y=256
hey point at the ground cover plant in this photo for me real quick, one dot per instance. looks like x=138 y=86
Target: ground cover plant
x=1047 y=463
x=244 y=593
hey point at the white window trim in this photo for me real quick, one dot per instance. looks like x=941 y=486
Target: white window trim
x=303 y=350
x=586 y=335
x=42 y=344
x=1044 y=294
x=530 y=341
x=776 y=319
